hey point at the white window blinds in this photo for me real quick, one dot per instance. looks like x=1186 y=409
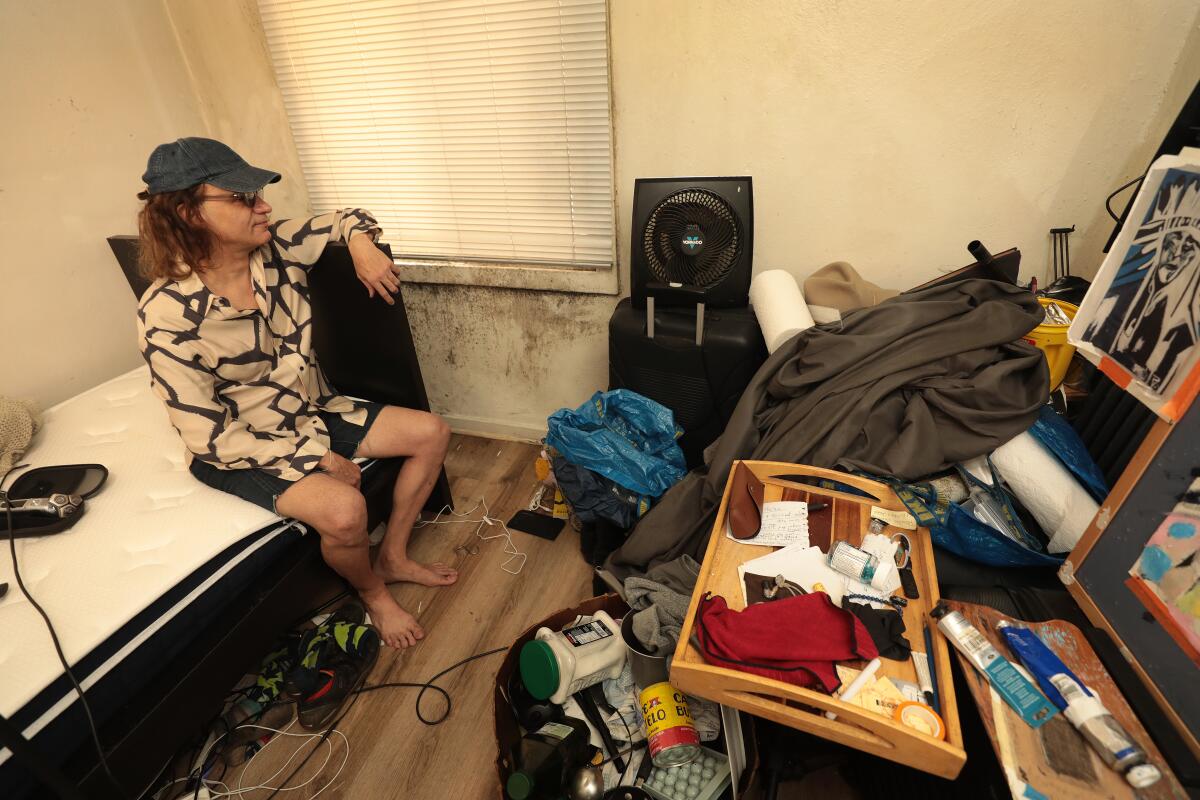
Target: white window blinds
x=473 y=129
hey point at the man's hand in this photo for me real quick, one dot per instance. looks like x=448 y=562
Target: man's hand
x=375 y=270
x=341 y=468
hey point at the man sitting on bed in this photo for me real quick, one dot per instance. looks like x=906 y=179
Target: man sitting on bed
x=225 y=328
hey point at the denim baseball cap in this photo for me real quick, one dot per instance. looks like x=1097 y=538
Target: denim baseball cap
x=186 y=162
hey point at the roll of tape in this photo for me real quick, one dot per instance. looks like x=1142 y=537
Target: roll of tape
x=921 y=718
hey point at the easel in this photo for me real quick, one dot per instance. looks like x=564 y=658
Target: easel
x=1096 y=571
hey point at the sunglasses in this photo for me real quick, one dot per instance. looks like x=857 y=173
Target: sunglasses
x=248 y=199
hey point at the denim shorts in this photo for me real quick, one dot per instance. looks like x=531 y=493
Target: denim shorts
x=262 y=488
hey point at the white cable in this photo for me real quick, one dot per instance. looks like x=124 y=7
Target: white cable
x=163 y=788
x=264 y=785
x=210 y=785
x=510 y=549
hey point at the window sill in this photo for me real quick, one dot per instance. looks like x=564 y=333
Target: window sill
x=510 y=276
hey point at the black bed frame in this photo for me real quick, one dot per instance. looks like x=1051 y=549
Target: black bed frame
x=366 y=349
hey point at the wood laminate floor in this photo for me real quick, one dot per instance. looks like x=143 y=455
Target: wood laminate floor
x=391 y=753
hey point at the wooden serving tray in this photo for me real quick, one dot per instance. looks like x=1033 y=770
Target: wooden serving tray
x=847 y=518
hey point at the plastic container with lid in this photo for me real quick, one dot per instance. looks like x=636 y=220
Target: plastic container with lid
x=557 y=664
x=861 y=565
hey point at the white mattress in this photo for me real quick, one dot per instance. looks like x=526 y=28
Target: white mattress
x=151 y=526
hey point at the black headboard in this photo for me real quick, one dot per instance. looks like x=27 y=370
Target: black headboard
x=125 y=248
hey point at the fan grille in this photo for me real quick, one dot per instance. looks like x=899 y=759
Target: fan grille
x=666 y=225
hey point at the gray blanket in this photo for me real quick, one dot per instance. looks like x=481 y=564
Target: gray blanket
x=906 y=388
x=660 y=602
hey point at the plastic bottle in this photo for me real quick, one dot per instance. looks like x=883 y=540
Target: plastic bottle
x=860 y=565
x=545 y=758
x=557 y=664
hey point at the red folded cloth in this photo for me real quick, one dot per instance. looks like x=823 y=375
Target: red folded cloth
x=795 y=639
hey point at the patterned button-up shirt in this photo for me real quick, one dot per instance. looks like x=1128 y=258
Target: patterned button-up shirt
x=243 y=387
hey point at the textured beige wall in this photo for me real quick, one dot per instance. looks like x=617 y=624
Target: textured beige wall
x=91 y=88
x=884 y=134
x=891 y=134
x=223 y=46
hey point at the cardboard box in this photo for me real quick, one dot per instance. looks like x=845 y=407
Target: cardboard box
x=508 y=732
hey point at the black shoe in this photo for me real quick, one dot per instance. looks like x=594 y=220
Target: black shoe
x=337 y=683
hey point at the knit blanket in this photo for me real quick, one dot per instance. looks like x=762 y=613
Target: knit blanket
x=19 y=421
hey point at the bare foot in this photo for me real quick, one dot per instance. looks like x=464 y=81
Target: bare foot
x=397 y=628
x=436 y=574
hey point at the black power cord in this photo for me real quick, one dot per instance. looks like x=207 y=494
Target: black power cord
x=87 y=709
x=429 y=684
x=423 y=686
x=1123 y=187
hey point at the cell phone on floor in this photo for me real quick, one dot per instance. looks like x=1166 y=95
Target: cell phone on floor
x=537 y=524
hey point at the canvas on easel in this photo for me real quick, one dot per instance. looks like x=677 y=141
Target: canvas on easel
x=1141 y=317
x=1166 y=576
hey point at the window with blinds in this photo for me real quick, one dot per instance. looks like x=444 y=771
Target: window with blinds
x=475 y=130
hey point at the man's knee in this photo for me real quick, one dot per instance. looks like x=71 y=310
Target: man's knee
x=436 y=434
x=345 y=521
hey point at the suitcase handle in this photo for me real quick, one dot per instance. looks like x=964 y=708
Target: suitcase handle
x=675 y=293
x=672 y=292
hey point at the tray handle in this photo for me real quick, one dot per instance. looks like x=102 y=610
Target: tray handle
x=770 y=470
x=832 y=729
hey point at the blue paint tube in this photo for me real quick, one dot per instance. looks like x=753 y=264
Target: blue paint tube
x=1080 y=706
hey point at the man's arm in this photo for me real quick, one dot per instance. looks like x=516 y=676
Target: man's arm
x=301 y=242
x=375 y=270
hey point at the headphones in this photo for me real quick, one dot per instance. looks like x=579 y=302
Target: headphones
x=48 y=500
x=56 y=505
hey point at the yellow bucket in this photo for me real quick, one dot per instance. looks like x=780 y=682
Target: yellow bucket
x=1052 y=340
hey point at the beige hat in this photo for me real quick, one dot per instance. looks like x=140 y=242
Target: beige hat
x=839 y=286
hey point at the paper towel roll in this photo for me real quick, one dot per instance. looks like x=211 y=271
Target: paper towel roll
x=779 y=306
x=1047 y=489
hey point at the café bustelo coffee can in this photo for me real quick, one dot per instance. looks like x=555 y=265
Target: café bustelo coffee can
x=670 y=729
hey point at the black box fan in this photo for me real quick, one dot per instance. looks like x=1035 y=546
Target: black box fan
x=693 y=240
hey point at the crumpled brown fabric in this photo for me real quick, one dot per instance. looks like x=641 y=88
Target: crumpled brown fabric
x=905 y=388
x=838 y=285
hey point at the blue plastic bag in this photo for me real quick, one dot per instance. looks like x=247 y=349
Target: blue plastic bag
x=955 y=529
x=1055 y=434
x=627 y=438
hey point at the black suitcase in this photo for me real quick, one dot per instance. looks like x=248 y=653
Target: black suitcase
x=701 y=383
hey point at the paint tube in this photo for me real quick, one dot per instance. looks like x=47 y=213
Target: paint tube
x=924 y=678
x=1080 y=706
x=1017 y=691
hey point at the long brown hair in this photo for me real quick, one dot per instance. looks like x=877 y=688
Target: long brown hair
x=173 y=240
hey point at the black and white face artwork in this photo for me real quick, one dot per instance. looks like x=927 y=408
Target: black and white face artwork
x=1149 y=320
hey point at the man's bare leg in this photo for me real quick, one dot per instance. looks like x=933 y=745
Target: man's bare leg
x=339 y=514
x=422 y=438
